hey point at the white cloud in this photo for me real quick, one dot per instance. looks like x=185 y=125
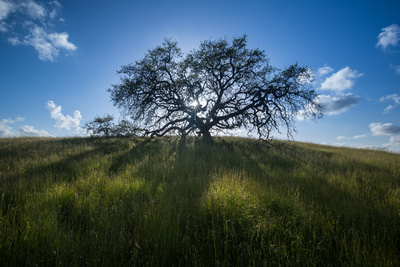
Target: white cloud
x=27 y=7
x=393 y=145
x=389 y=36
x=340 y=144
x=33 y=9
x=27 y=130
x=6 y=8
x=395 y=140
x=38 y=39
x=11 y=121
x=330 y=105
x=56 y=3
x=388 y=109
x=36 y=25
x=354 y=137
x=48 y=45
x=395 y=98
x=5 y=129
x=60 y=40
x=360 y=136
x=396 y=68
x=64 y=122
x=338 y=104
x=56 y=6
x=14 y=41
x=3 y=27
x=384 y=129
x=325 y=70
x=342 y=80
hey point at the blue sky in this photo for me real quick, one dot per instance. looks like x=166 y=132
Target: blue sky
x=59 y=57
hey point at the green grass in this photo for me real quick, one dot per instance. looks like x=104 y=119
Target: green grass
x=162 y=202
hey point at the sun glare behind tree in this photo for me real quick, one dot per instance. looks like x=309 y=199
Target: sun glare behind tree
x=195 y=103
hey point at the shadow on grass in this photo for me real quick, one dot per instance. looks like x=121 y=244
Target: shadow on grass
x=303 y=176
x=71 y=165
x=172 y=227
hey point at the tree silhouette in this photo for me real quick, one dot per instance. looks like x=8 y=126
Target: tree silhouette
x=220 y=86
x=105 y=126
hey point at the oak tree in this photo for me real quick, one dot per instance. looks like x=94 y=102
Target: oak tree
x=221 y=86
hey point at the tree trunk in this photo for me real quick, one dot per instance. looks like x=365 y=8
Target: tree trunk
x=206 y=136
x=206 y=133
x=203 y=128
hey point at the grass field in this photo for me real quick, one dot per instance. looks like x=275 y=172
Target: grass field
x=163 y=202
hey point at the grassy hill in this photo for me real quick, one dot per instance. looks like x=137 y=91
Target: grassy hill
x=130 y=201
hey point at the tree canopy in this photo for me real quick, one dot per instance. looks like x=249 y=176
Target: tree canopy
x=220 y=86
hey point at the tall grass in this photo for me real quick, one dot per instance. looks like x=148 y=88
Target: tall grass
x=235 y=201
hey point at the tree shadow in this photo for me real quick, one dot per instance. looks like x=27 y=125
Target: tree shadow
x=282 y=170
x=185 y=168
x=143 y=149
x=37 y=175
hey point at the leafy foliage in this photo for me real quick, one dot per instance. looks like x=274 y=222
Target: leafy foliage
x=220 y=86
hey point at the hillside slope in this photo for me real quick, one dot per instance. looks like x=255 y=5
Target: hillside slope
x=235 y=201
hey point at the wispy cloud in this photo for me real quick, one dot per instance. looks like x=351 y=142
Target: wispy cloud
x=56 y=7
x=389 y=36
x=32 y=9
x=35 y=27
x=64 y=122
x=325 y=70
x=395 y=98
x=340 y=144
x=378 y=128
x=342 y=80
x=3 y=27
x=396 y=69
x=395 y=141
x=360 y=136
x=393 y=145
x=354 y=137
x=6 y=8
